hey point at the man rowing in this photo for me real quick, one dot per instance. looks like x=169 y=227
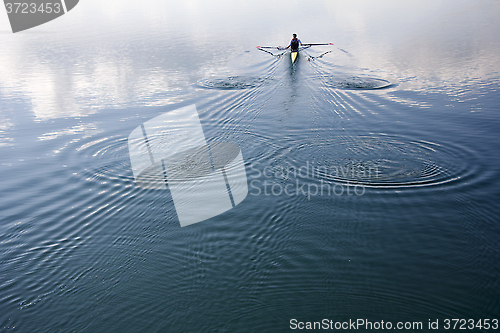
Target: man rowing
x=294 y=43
x=294 y=46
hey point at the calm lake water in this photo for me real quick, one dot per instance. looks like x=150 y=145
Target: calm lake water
x=400 y=117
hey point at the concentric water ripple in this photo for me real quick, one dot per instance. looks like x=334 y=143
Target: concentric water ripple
x=232 y=82
x=115 y=166
x=380 y=161
x=353 y=82
x=359 y=83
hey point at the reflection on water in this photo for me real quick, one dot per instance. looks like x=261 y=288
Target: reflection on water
x=115 y=61
x=81 y=243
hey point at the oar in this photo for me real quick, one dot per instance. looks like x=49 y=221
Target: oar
x=312 y=44
x=270 y=47
x=276 y=55
x=279 y=47
x=261 y=49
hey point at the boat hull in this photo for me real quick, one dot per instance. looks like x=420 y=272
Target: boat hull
x=294 y=55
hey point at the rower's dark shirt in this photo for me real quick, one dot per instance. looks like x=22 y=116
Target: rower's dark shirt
x=294 y=44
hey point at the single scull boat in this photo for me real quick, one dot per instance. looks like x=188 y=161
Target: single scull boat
x=293 y=54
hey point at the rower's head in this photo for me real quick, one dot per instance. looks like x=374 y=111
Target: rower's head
x=294 y=35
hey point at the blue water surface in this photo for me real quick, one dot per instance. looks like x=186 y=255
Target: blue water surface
x=372 y=166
